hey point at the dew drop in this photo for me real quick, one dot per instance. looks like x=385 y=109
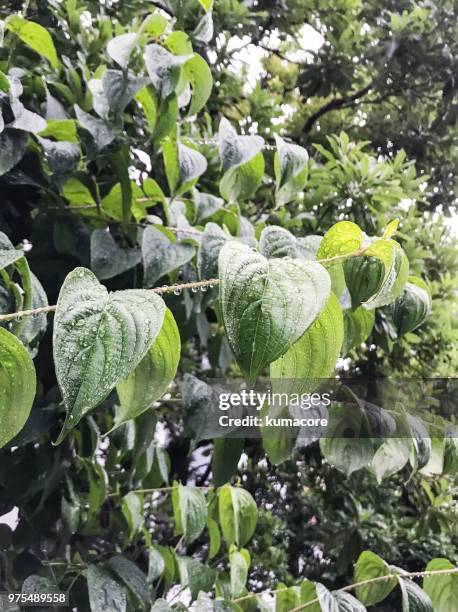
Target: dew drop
x=177 y=292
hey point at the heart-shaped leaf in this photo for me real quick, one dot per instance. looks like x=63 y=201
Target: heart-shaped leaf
x=99 y=338
x=162 y=254
x=241 y=182
x=396 y=272
x=238 y=514
x=370 y=566
x=412 y=307
x=442 y=588
x=8 y=254
x=108 y=259
x=267 y=304
x=183 y=166
x=151 y=378
x=200 y=77
x=121 y=47
x=164 y=68
x=213 y=240
x=17 y=386
x=414 y=599
x=314 y=355
x=236 y=150
x=275 y=241
x=337 y=601
x=358 y=325
x=190 y=511
x=290 y=170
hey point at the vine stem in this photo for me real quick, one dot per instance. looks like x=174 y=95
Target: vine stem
x=169 y=288
x=165 y=289
x=352 y=587
x=156 y=490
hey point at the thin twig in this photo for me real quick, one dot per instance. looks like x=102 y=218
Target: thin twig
x=352 y=587
x=160 y=290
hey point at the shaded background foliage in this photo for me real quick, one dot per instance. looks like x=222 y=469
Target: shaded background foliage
x=385 y=76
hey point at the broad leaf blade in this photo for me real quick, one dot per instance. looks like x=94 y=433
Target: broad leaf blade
x=99 y=338
x=17 y=386
x=151 y=378
x=267 y=304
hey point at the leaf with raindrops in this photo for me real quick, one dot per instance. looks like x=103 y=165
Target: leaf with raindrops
x=17 y=386
x=99 y=339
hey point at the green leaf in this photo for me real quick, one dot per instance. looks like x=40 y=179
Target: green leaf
x=162 y=253
x=276 y=241
x=99 y=338
x=412 y=307
x=286 y=598
x=153 y=375
x=35 y=36
x=238 y=515
x=120 y=88
x=291 y=169
x=442 y=589
x=239 y=572
x=132 y=508
x=195 y=575
x=236 y=150
x=155 y=25
x=337 y=601
x=396 y=273
x=204 y=30
x=17 y=386
x=267 y=304
x=190 y=512
x=215 y=538
x=120 y=162
x=183 y=166
x=314 y=355
x=200 y=77
x=156 y=565
x=241 y=182
x=206 y=205
x=147 y=100
x=308 y=593
x=358 y=326
x=207 y=4
x=61 y=129
x=105 y=594
x=108 y=259
x=164 y=69
x=13 y=144
x=450 y=453
x=347 y=444
x=363 y=277
x=369 y=566
x=34 y=327
x=391 y=457
x=121 y=47
x=414 y=599
x=343 y=238
x=62 y=157
x=213 y=240
x=225 y=458
x=8 y=254
x=102 y=135
x=134 y=579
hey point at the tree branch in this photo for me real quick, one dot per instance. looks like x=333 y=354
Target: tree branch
x=335 y=104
